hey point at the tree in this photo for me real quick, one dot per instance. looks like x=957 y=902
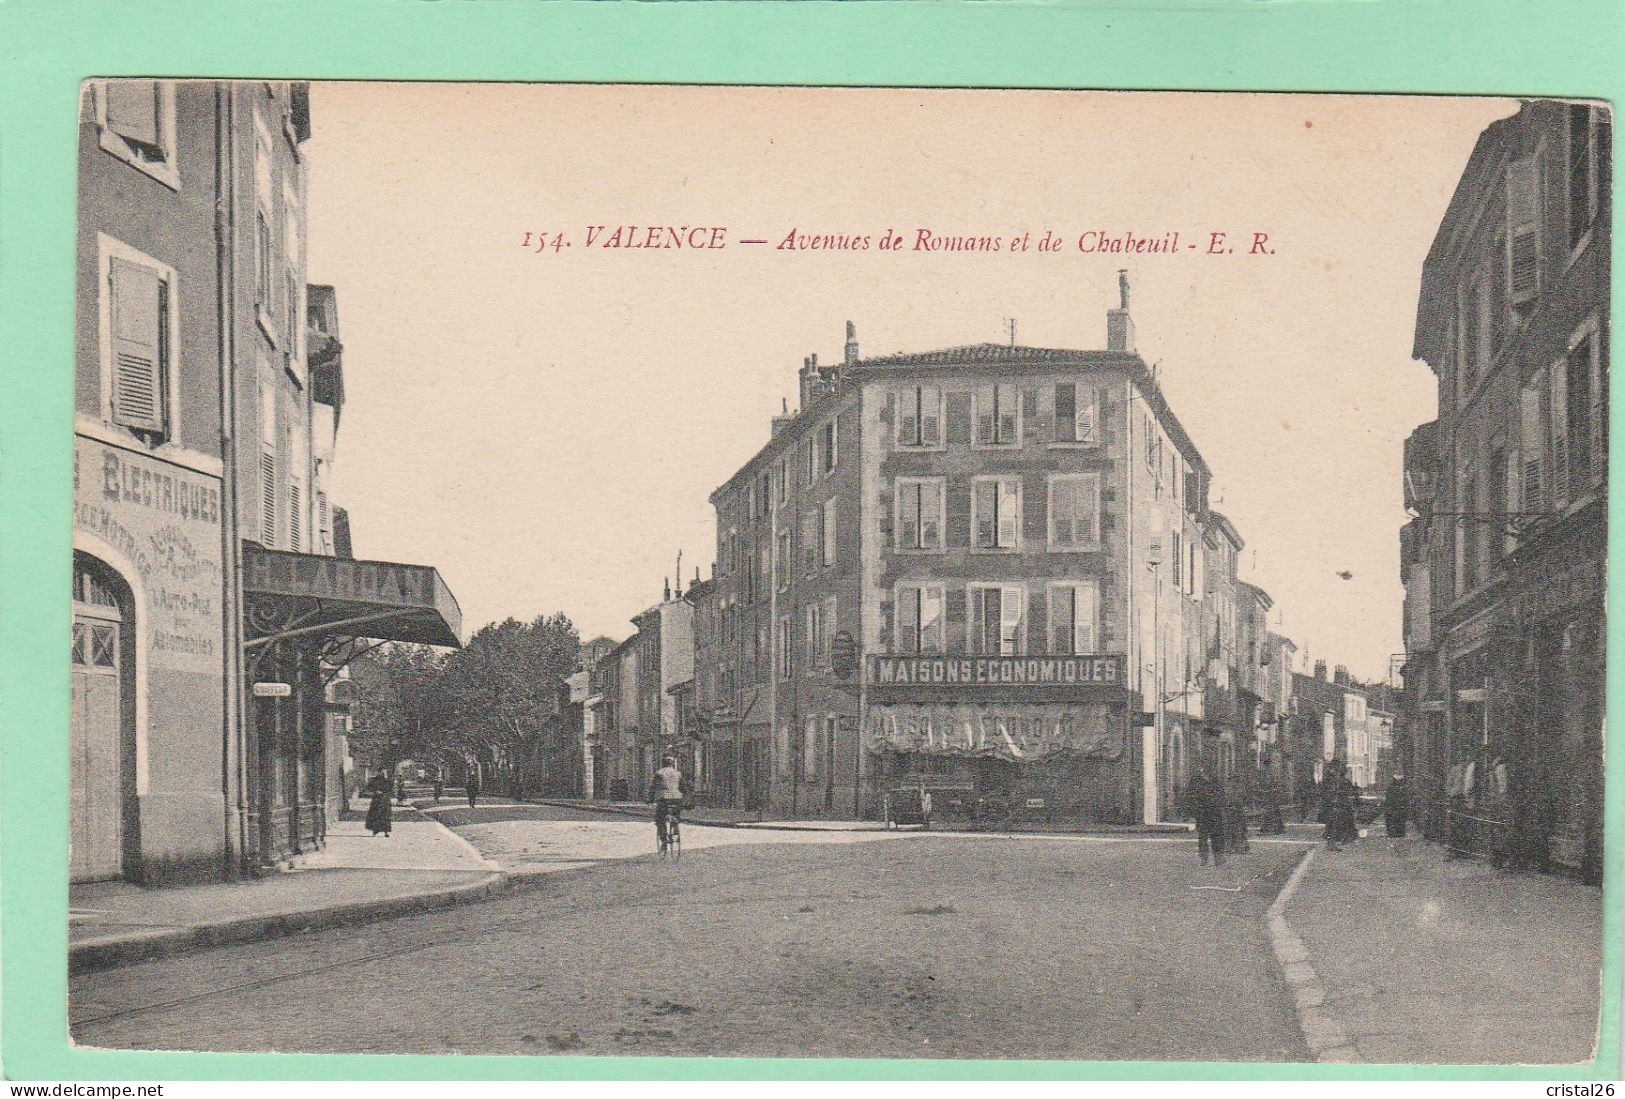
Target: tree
x=504 y=687
x=399 y=711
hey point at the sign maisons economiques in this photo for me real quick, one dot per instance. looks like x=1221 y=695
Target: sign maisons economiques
x=164 y=520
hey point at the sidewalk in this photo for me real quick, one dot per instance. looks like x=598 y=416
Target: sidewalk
x=357 y=876
x=1428 y=960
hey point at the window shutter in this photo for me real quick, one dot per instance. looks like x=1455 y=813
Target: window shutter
x=1597 y=414
x=953 y=603
x=958 y=530
x=931 y=618
x=137 y=326
x=1010 y=621
x=1061 y=615
x=1533 y=445
x=1066 y=413
x=1009 y=513
x=908 y=620
x=985 y=418
x=132 y=110
x=985 y=510
x=1029 y=411
x=1035 y=504
x=268 y=498
x=908 y=425
x=930 y=416
x=1088 y=419
x=295 y=519
x=958 y=418
x=1523 y=230
x=1086 y=618
x=931 y=516
x=1008 y=396
x=1558 y=378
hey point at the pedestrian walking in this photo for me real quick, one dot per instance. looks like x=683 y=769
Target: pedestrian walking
x=400 y=790
x=1337 y=809
x=1396 y=806
x=1273 y=824
x=380 y=817
x=472 y=787
x=439 y=786
x=1205 y=799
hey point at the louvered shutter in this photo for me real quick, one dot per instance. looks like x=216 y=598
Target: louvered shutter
x=137 y=298
x=986 y=418
x=1523 y=230
x=931 y=515
x=1066 y=413
x=1088 y=415
x=132 y=110
x=1009 y=513
x=1010 y=641
x=1086 y=618
x=1533 y=446
x=986 y=511
x=1559 y=381
x=958 y=418
x=295 y=517
x=907 y=420
x=268 y=497
x=1060 y=611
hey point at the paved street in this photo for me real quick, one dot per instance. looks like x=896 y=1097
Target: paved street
x=760 y=944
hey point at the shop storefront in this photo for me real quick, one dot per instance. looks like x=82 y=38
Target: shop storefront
x=306 y=617
x=1046 y=730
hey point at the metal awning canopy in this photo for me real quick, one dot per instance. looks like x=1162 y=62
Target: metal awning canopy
x=290 y=595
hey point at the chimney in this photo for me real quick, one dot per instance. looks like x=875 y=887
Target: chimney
x=1340 y=674
x=784 y=419
x=666 y=598
x=809 y=381
x=851 y=344
x=1320 y=670
x=1119 y=325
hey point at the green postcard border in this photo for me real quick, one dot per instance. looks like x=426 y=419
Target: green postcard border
x=1499 y=47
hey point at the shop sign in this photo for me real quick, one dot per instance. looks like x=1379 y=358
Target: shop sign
x=272 y=690
x=995 y=671
x=1557 y=592
x=1018 y=732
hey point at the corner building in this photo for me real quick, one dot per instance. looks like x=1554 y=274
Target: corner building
x=974 y=567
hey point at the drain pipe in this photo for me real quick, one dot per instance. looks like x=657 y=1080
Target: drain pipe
x=234 y=774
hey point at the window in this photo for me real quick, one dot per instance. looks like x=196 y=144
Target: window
x=826 y=530
x=1153 y=446
x=815 y=634
x=919 y=507
x=996 y=512
x=782 y=475
x=1177 y=559
x=811 y=536
x=828 y=443
x=264 y=219
x=1074 y=511
x=1077 y=413
x=137 y=123
x=828 y=622
x=765 y=493
x=919 y=618
x=1074 y=612
x=810 y=459
x=998 y=419
x=764 y=569
x=1523 y=231
x=1582 y=156
x=138 y=314
x=1588 y=448
x=324 y=524
x=781 y=563
x=785 y=656
x=1558 y=411
x=919 y=416
x=995 y=620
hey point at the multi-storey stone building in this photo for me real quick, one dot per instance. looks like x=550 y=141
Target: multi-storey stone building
x=980 y=568
x=1503 y=714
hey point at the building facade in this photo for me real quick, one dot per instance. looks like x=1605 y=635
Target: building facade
x=1505 y=681
x=982 y=569
x=209 y=618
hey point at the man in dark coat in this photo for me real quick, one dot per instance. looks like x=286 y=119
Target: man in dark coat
x=1337 y=808
x=473 y=786
x=1396 y=806
x=1205 y=799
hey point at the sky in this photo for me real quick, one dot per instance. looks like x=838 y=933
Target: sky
x=546 y=427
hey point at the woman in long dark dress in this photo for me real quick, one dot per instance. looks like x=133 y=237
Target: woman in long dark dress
x=380 y=814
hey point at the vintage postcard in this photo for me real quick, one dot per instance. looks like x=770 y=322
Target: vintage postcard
x=653 y=570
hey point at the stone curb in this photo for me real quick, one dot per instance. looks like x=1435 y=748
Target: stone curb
x=111 y=953
x=1326 y=1037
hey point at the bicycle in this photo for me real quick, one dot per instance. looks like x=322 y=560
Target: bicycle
x=668 y=830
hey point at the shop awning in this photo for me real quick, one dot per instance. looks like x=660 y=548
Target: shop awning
x=288 y=595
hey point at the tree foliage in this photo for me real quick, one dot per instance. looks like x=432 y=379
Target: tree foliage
x=494 y=704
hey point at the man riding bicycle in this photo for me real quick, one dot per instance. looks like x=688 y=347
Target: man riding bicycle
x=666 y=794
